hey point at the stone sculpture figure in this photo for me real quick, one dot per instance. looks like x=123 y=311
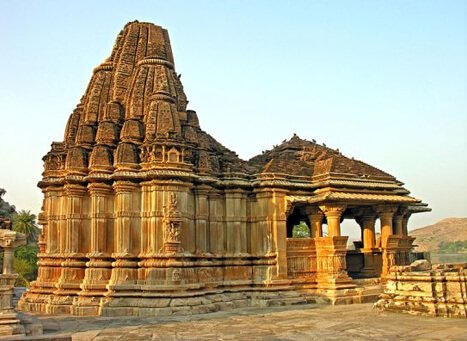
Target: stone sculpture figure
x=172 y=221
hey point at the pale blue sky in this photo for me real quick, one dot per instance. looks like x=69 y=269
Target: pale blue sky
x=383 y=81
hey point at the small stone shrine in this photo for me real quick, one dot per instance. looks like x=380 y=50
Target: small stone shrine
x=145 y=213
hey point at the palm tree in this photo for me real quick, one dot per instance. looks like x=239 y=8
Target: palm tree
x=25 y=222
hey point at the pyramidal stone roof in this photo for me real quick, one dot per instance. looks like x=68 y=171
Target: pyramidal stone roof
x=133 y=123
x=307 y=158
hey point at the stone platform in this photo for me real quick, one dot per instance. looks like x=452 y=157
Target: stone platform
x=193 y=302
x=302 y=322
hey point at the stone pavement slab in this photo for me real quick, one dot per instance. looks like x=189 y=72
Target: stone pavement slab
x=304 y=322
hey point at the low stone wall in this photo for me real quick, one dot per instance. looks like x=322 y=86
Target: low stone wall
x=421 y=289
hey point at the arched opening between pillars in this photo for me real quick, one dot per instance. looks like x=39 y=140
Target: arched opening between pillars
x=296 y=218
x=301 y=254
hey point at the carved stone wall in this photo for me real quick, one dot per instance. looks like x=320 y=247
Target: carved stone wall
x=301 y=258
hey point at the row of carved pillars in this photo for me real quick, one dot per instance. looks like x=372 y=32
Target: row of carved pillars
x=393 y=219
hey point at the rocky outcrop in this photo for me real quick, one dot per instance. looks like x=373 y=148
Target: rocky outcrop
x=429 y=237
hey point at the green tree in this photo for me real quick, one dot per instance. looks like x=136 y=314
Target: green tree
x=25 y=264
x=25 y=261
x=301 y=230
x=25 y=222
x=458 y=246
x=6 y=210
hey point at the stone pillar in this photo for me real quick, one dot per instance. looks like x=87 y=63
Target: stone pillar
x=8 y=256
x=315 y=215
x=99 y=266
x=201 y=219
x=276 y=210
x=386 y=214
x=405 y=223
x=235 y=207
x=332 y=277
x=73 y=267
x=398 y=222
x=9 y=241
x=124 y=268
x=270 y=235
x=333 y=214
x=406 y=240
x=50 y=259
x=216 y=225
x=9 y=320
x=101 y=208
x=368 y=227
x=389 y=242
x=151 y=218
x=367 y=221
x=261 y=232
x=123 y=209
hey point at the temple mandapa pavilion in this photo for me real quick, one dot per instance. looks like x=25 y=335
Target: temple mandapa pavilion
x=144 y=213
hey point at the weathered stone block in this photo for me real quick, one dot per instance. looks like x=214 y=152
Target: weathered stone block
x=432 y=292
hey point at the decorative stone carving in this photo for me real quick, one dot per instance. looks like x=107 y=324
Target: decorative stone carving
x=301 y=258
x=172 y=226
x=332 y=277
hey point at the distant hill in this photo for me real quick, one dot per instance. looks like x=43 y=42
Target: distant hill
x=446 y=230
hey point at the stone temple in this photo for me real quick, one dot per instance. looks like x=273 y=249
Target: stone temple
x=144 y=213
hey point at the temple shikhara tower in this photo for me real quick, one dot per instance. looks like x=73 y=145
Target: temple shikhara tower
x=144 y=213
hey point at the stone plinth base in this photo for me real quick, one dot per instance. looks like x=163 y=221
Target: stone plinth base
x=436 y=292
x=337 y=296
x=183 y=299
x=390 y=254
x=10 y=324
x=178 y=283
x=333 y=281
x=196 y=304
x=86 y=306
